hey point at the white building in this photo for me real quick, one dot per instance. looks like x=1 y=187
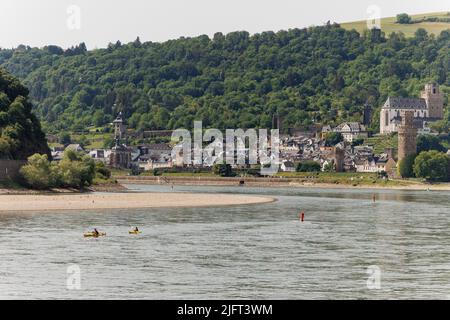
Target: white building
x=152 y=164
x=287 y=166
x=101 y=155
x=427 y=108
x=351 y=131
x=375 y=164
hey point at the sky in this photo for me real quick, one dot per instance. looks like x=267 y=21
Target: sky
x=99 y=22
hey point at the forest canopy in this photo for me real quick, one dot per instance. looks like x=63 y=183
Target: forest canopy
x=314 y=75
x=20 y=130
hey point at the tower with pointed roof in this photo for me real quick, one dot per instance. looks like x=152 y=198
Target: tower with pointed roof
x=120 y=154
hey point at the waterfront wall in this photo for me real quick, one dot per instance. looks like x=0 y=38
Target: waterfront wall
x=219 y=181
x=10 y=169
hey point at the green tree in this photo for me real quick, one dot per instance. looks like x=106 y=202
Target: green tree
x=64 y=138
x=432 y=165
x=83 y=141
x=440 y=126
x=223 y=170
x=333 y=138
x=108 y=142
x=406 y=166
x=39 y=173
x=102 y=171
x=76 y=171
x=98 y=118
x=318 y=75
x=429 y=142
x=403 y=18
x=308 y=166
x=21 y=134
x=329 y=167
x=358 y=142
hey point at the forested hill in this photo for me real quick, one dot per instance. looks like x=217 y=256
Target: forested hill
x=20 y=131
x=320 y=74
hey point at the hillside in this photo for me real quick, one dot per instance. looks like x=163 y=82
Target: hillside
x=20 y=131
x=389 y=25
x=319 y=74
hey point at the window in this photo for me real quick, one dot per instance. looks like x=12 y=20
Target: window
x=386 y=118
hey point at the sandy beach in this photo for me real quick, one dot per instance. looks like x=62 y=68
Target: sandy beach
x=92 y=201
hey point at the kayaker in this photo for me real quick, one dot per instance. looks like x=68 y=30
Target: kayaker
x=96 y=232
x=136 y=229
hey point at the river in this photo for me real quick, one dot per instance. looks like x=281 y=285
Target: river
x=349 y=247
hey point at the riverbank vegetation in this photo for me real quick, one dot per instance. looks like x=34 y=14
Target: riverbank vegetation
x=20 y=130
x=430 y=162
x=73 y=171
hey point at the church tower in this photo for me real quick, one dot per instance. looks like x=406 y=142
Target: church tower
x=407 y=135
x=120 y=155
x=435 y=100
x=119 y=129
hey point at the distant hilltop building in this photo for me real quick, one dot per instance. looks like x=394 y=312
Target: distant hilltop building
x=428 y=108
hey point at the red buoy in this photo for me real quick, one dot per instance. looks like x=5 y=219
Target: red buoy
x=302 y=216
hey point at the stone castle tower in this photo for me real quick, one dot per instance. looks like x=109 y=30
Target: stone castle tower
x=434 y=99
x=407 y=136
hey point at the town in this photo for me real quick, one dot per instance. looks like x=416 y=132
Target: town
x=341 y=148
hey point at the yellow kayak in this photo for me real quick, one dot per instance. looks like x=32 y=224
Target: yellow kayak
x=134 y=232
x=94 y=235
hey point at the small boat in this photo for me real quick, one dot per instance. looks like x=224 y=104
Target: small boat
x=94 y=235
x=134 y=232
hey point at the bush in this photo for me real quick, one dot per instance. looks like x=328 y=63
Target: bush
x=405 y=166
x=308 y=166
x=357 y=142
x=404 y=18
x=223 y=170
x=102 y=171
x=73 y=170
x=37 y=173
x=432 y=166
x=329 y=167
x=428 y=142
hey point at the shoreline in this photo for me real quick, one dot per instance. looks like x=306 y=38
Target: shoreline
x=113 y=188
x=125 y=200
x=277 y=183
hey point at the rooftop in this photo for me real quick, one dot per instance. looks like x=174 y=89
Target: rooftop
x=405 y=103
x=353 y=126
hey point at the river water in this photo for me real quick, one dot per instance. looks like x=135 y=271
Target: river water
x=348 y=248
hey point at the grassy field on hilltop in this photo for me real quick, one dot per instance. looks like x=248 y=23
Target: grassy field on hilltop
x=389 y=25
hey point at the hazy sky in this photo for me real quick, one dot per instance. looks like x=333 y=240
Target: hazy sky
x=98 y=22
